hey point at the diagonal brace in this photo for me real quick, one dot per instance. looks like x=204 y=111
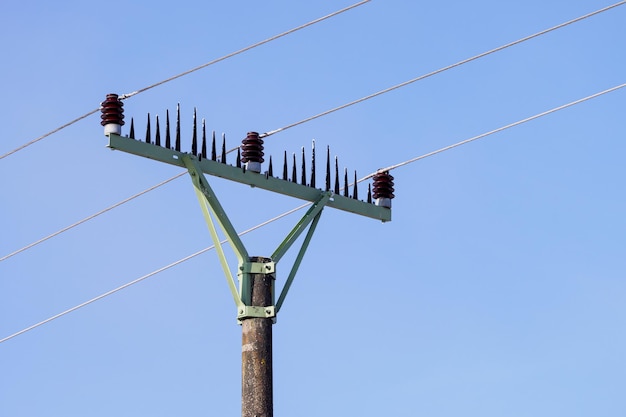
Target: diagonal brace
x=311 y=214
x=298 y=260
x=211 y=208
x=214 y=213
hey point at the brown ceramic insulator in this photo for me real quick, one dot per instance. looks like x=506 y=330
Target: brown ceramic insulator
x=383 y=186
x=112 y=110
x=252 y=148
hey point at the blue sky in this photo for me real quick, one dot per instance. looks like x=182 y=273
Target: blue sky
x=497 y=289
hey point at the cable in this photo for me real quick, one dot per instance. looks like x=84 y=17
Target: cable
x=564 y=106
x=304 y=121
x=500 y=129
x=125 y=96
x=27 y=144
x=430 y=74
x=93 y=216
x=328 y=111
x=360 y=180
x=164 y=268
x=245 y=49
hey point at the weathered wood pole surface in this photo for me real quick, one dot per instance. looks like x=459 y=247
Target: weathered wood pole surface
x=256 y=351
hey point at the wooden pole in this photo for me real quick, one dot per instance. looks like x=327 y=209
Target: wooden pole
x=256 y=351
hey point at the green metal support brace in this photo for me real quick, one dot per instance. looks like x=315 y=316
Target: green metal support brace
x=214 y=213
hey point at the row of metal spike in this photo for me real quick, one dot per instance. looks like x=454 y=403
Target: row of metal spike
x=250 y=152
x=199 y=148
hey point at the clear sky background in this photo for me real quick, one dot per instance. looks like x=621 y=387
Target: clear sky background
x=497 y=290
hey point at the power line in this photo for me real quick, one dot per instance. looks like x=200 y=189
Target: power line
x=27 y=144
x=465 y=61
x=392 y=167
x=430 y=74
x=93 y=216
x=304 y=121
x=155 y=272
x=232 y=54
x=491 y=132
x=124 y=96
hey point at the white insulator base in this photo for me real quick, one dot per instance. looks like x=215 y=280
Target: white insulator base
x=253 y=166
x=383 y=202
x=112 y=128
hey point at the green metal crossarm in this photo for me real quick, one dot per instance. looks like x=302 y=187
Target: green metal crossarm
x=253 y=179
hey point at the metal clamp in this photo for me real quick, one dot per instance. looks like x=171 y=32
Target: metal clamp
x=258 y=267
x=246 y=312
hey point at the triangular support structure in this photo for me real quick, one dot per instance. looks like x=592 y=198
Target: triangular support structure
x=214 y=213
x=255 y=296
x=215 y=217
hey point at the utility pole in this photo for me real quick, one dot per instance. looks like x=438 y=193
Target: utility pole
x=256 y=350
x=254 y=296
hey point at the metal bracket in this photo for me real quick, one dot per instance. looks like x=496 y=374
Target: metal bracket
x=214 y=213
x=246 y=312
x=247 y=268
x=258 y=267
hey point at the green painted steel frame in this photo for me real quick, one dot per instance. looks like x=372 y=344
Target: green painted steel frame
x=253 y=179
x=212 y=209
x=214 y=213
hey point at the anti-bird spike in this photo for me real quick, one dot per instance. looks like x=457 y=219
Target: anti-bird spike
x=177 y=145
x=303 y=176
x=369 y=193
x=345 y=183
x=213 y=150
x=270 y=169
x=148 y=130
x=168 y=142
x=327 y=168
x=355 y=191
x=336 y=175
x=194 y=136
x=157 y=135
x=238 y=161
x=294 y=173
x=131 y=134
x=203 y=138
x=285 y=167
x=312 y=184
x=223 y=148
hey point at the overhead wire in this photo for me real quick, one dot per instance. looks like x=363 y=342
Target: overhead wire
x=146 y=276
x=230 y=55
x=545 y=113
x=491 y=132
x=440 y=70
x=27 y=144
x=310 y=119
x=186 y=258
x=430 y=74
x=124 y=96
x=91 y=217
